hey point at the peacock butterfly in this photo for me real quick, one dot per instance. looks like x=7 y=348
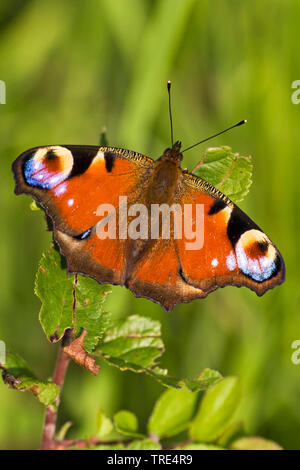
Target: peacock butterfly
x=154 y=256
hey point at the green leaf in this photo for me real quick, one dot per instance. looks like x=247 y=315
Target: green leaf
x=198 y=446
x=126 y=423
x=104 y=425
x=69 y=301
x=228 y=171
x=133 y=340
x=54 y=287
x=254 y=443
x=232 y=432
x=146 y=444
x=172 y=413
x=216 y=410
x=135 y=343
x=90 y=297
x=16 y=375
x=207 y=378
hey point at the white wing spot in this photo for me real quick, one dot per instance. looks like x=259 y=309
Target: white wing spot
x=60 y=189
x=230 y=261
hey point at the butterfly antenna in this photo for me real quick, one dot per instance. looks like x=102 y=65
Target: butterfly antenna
x=215 y=135
x=170 y=110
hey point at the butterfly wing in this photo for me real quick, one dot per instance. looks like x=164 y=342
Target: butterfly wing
x=235 y=250
x=70 y=182
x=227 y=248
x=156 y=275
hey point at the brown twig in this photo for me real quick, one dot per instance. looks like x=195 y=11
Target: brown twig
x=61 y=366
x=48 y=439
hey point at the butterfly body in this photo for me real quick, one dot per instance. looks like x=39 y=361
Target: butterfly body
x=159 y=261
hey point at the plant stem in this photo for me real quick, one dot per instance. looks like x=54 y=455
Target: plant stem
x=60 y=370
x=85 y=443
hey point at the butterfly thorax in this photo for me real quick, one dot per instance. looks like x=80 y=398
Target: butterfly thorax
x=166 y=176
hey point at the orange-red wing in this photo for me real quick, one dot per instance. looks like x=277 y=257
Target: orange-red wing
x=104 y=260
x=70 y=182
x=157 y=276
x=232 y=249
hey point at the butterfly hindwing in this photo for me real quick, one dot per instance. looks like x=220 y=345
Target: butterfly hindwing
x=104 y=260
x=156 y=275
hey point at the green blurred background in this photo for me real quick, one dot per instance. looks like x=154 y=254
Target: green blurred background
x=71 y=67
